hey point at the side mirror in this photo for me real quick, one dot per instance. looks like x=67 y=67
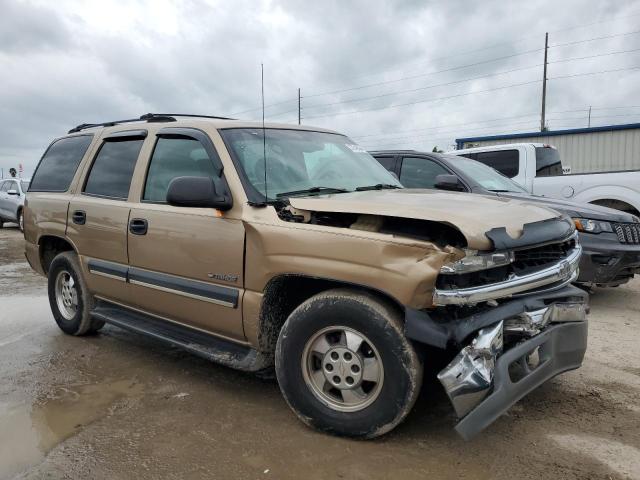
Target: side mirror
x=449 y=182
x=13 y=192
x=197 y=192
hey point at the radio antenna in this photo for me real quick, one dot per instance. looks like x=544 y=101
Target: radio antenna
x=264 y=139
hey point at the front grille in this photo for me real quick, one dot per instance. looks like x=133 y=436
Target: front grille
x=539 y=257
x=627 y=232
x=527 y=260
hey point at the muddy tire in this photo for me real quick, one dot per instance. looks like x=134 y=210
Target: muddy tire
x=69 y=298
x=21 y=220
x=344 y=365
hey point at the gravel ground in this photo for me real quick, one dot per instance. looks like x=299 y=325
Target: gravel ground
x=117 y=405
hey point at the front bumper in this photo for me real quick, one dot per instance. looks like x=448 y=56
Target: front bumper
x=607 y=262
x=551 y=325
x=561 y=347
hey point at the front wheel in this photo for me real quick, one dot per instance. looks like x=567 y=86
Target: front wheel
x=21 y=221
x=344 y=365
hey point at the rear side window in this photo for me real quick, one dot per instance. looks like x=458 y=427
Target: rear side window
x=504 y=161
x=175 y=157
x=548 y=162
x=420 y=172
x=111 y=172
x=59 y=164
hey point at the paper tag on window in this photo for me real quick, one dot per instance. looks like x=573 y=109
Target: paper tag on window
x=356 y=148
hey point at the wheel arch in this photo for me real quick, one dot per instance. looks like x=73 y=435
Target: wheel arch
x=51 y=245
x=284 y=293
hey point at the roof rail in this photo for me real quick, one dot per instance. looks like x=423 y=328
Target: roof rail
x=149 y=117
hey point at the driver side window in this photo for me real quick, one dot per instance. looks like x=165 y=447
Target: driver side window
x=420 y=172
x=175 y=157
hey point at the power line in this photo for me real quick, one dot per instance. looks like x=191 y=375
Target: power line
x=427 y=100
x=500 y=119
x=421 y=88
x=594 y=39
x=618 y=52
x=595 y=73
x=458 y=81
x=471 y=93
x=411 y=77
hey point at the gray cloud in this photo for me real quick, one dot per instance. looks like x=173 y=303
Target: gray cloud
x=69 y=65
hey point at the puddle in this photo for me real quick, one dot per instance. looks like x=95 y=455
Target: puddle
x=34 y=430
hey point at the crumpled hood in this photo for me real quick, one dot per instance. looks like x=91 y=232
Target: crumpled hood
x=573 y=209
x=472 y=214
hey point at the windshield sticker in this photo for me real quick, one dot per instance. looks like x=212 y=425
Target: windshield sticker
x=355 y=148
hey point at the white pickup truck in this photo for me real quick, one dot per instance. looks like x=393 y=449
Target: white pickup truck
x=538 y=168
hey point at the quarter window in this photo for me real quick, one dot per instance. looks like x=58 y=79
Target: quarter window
x=175 y=157
x=420 y=172
x=59 y=164
x=504 y=161
x=111 y=172
x=387 y=162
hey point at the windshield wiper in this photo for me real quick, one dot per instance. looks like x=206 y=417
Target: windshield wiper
x=312 y=190
x=378 y=186
x=502 y=191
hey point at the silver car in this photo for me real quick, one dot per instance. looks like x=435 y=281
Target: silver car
x=12 y=194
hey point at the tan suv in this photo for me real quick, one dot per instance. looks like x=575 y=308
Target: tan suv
x=291 y=248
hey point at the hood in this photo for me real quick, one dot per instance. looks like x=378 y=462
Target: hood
x=473 y=215
x=573 y=209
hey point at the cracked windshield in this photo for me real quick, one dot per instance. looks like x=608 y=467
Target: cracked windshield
x=304 y=162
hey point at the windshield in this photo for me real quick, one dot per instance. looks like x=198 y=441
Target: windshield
x=25 y=185
x=299 y=160
x=487 y=177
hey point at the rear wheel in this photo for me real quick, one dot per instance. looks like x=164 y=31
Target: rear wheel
x=344 y=365
x=69 y=298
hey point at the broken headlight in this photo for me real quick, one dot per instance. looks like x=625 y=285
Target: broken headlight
x=474 y=262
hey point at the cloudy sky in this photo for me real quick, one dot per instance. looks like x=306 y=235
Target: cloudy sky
x=391 y=74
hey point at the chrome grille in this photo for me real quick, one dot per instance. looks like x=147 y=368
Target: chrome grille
x=539 y=257
x=627 y=232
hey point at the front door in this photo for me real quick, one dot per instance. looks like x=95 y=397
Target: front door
x=99 y=214
x=186 y=264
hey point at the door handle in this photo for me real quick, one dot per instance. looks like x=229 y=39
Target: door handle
x=79 y=217
x=138 y=226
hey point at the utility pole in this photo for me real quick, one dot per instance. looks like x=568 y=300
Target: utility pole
x=589 y=121
x=298 y=106
x=544 y=82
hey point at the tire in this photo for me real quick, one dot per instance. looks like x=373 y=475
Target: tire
x=69 y=297
x=378 y=404
x=21 y=220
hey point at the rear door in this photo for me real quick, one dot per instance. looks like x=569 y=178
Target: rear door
x=99 y=214
x=186 y=264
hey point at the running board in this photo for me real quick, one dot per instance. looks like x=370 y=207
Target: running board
x=200 y=343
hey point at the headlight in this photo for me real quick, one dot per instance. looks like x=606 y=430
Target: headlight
x=474 y=262
x=592 y=226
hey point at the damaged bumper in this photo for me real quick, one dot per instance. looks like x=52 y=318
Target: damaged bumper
x=485 y=378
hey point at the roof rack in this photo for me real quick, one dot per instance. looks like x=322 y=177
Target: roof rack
x=148 y=117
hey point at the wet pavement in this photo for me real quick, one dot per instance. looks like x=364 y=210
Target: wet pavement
x=117 y=405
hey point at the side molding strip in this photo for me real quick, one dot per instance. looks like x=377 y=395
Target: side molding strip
x=195 y=289
x=112 y=270
x=188 y=288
